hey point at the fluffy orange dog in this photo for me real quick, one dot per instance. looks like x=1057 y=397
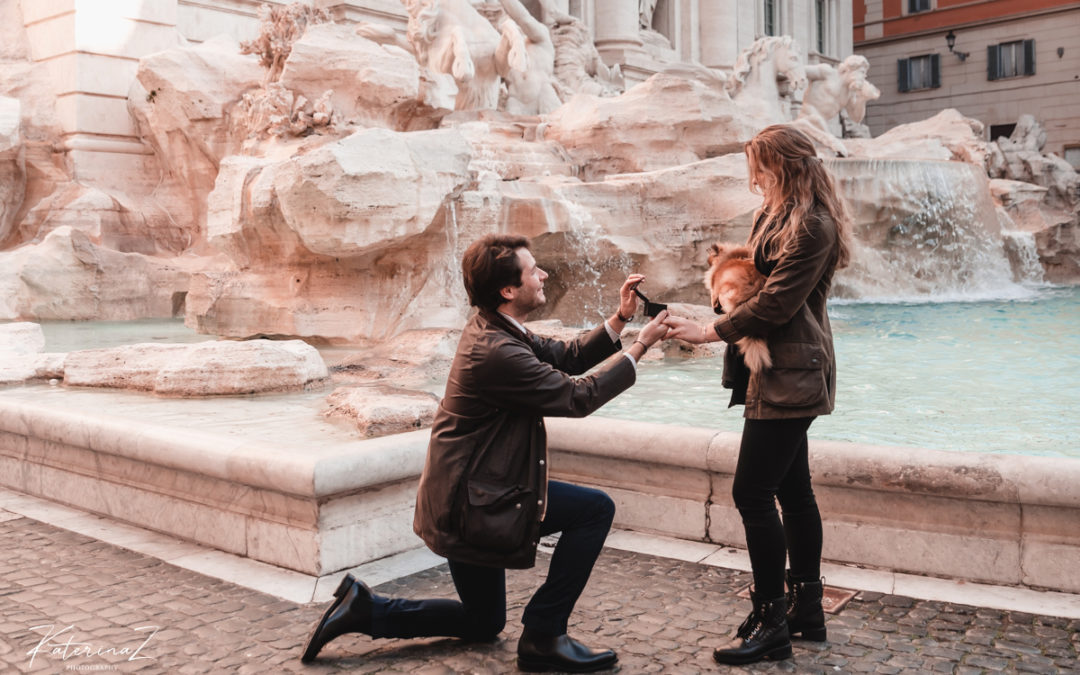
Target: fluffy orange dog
x=732 y=279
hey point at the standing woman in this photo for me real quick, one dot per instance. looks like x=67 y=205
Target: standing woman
x=800 y=237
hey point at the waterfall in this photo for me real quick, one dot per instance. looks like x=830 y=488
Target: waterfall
x=1024 y=256
x=589 y=267
x=924 y=230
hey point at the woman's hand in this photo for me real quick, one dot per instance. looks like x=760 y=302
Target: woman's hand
x=655 y=330
x=628 y=302
x=689 y=331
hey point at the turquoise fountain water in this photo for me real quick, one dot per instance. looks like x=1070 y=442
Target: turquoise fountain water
x=998 y=376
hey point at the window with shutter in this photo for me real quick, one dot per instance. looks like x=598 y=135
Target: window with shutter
x=919 y=72
x=1010 y=59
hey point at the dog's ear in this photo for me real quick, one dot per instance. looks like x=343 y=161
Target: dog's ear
x=714 y=251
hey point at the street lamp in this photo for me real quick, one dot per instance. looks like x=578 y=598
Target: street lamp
x=950 y=40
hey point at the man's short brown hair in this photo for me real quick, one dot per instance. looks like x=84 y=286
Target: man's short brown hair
x=489 y=265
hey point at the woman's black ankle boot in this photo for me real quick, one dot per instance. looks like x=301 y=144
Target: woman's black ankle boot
x=805 y=618
x=764 y=635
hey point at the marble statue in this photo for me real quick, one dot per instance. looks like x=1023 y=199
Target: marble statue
x=646 y=9
x=529 y=74
x=766 y=76
x=578 y=66
x=831 y=90
x=451 y=39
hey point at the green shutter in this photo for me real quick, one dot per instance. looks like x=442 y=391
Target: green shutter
x=1029 y=57
x=935 y=71
x=902 y=74
x=992 y=62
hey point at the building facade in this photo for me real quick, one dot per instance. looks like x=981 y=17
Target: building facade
x=993 y=60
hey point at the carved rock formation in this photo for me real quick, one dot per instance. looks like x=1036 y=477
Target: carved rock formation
x=379 y=411
x=67 y=277
x=12 y=164
x=665 y=121
x=370 y=83
x=202 y=369
x=947 y=135
x=345 y=242
x=181 y=102
x=21 y=354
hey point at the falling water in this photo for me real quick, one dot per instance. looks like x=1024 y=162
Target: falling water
x=1023 y=255
x=925 y=230
x=595 y=268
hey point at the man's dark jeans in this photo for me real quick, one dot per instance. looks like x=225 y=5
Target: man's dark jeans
x=582 y=515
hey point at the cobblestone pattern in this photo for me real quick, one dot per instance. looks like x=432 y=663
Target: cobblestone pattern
x=660 y=615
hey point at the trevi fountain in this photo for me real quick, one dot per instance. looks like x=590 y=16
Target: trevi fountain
x=242 y=342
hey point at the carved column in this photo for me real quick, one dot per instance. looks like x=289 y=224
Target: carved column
x=616 y=29
x=717 y=22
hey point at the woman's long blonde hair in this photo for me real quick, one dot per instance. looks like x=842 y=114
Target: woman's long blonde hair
x=797 y=180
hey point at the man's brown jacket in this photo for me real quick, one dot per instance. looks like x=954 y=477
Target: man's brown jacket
x=483 y=491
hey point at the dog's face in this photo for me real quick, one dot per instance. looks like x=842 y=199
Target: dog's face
x=728 y=278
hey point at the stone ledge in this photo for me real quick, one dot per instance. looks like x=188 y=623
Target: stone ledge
x=305 y=496
x=1007 y=519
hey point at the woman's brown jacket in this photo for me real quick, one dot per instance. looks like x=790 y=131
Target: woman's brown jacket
x=483 y=491
x=789 y=312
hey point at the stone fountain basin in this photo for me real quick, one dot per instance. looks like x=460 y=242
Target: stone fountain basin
x=269 y=479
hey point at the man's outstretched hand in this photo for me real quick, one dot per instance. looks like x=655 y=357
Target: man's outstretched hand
x=655 y=330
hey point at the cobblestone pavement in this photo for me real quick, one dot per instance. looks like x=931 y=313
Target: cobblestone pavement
x=660 y=615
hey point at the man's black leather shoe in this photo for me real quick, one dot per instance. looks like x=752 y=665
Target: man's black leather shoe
x=538 y=653
x=349 y=613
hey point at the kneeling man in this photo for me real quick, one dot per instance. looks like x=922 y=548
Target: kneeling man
x=485 y=499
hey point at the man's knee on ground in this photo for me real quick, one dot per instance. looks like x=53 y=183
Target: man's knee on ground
x=484 y=629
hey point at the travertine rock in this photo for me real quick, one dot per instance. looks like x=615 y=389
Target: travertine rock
x=370 y=82
x=589 y=236
x=180 y=102
x=21 y=359
x=381 y=411
x=22 y=337
x=372 y=190
x=947 y=135
x=201 y=369
x=1019 y=157
x=1059 y=252
x=1021 y=203
x=346 y=242
x=412 y=360
x=665 y=121
x=12 y=164
x=67 y=277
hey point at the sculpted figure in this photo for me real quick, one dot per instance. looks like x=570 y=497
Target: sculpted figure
x=451 y=39
x=766 y=76
x=831 y=90
x=578 y=66
x=526 y=61
x=646 y=9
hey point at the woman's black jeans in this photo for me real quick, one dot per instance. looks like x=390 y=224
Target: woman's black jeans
x=774 y=466
x=583 y=516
